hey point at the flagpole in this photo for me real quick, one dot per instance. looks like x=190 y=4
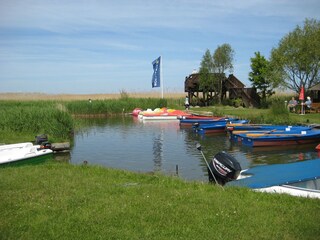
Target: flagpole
x=161 y=77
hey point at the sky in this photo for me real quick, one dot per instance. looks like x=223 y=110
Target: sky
x=107 y=46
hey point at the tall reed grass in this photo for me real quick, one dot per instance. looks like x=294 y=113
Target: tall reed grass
x=35 y=118
x=122 y=105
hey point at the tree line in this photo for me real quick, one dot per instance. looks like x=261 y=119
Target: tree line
x=293 y=64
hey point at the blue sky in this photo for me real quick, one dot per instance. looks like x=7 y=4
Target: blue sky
x=96 y=46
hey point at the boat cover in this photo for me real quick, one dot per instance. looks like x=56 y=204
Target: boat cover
x=279 y=174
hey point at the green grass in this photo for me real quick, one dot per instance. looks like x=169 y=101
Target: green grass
x=61 y=201
x=262 y=115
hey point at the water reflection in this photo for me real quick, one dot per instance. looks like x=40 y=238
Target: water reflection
x=126 y=143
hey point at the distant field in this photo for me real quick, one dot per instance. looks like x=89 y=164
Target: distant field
x=67 y=97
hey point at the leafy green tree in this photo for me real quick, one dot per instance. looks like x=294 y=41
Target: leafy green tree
x=296 y=60
x=222 y=61
x=206 y=70
x=259 y=77
x=213 y=68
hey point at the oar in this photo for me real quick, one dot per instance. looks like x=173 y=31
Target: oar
x=276 y=134
x=261 y=134
x=250 y=131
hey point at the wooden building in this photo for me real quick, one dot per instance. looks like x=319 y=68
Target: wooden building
x=232 y=88
x=315 y=93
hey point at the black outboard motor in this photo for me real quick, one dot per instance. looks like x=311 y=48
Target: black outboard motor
x=41 y=138
x=224 y=167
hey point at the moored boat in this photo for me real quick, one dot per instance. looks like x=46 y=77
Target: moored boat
x=237 y=135
x=159 y=114
x=215 y=128
x=297 y=179
x=280 y=139
x=189 y=122
x=22 y=153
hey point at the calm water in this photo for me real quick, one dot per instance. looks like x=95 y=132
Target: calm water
x=127 y=143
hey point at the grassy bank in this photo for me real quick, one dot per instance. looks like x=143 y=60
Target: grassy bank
x=61 y=201
x=25 y=120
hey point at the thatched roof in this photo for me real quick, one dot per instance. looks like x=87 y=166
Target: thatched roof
x=315 y=87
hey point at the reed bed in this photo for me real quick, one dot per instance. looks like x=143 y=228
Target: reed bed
x=116 y=106
x=35 y=118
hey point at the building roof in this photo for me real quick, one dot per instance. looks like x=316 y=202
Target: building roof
x=315 y=87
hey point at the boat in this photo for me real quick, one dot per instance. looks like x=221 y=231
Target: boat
x=22 y=153
x=238 y=135
x=162 y=117
x=216 y=127
x=297 y=179
x=280 y=139
x=189 y=122
x=196 y=117
x=259 y=127
x=159 y=114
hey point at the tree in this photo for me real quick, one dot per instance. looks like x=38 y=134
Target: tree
x=259 y=77
x=296 y=60
x=222 y=61
x=213 y=68
x=206 y=70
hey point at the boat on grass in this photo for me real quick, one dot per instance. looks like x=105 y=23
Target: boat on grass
x=23 y=153
x=297 y=179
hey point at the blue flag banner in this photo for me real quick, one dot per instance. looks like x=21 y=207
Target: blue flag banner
x=156 y=72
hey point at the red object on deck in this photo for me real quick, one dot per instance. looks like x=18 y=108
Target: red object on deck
x=301 y=95
x=136 y=111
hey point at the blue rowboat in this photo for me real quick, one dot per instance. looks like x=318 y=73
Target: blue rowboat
x=258 y=127
x=236 y=135
x=297 y=179
x=280 y=139
x=191 y=122
x=215 y=128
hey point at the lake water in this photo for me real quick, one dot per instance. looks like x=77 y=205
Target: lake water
x=127 y=143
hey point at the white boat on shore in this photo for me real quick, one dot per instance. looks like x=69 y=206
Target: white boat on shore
x=21 y=153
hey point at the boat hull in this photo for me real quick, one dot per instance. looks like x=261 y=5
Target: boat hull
x=275 y=139
x=22 y=153
x=33 y=160
x=191 y=122
x=268 y=143
x=297 y=179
